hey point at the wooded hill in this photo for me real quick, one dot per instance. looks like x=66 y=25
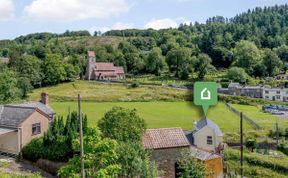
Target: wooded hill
x=252 y=44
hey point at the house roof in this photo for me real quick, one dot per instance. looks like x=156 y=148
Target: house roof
x=237 y=85
x=91 y=54
x=202 y=154
x=164 y=138
x=207 y=122
x=45 y=108
x=13 y=116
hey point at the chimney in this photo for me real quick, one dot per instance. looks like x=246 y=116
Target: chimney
x=44 y=98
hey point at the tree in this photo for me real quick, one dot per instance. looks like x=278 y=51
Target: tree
x=122 y=125
x=100 y=158
x=53 y=69
x=237 y=74
x=25 y=86
x=282 y=52
x=202 y=65
x=251 y=144
x=272 y=62
x=177 y=58
x=246 y=55
x=155 y=61
x=191 y=167
x=135 y=161
x=8 y=86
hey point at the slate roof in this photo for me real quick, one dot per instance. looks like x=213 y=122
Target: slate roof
x=202 y=154
x=164 y=138
x=237 y=85
x=45 y=108
x=207 y=122
x=14 y=115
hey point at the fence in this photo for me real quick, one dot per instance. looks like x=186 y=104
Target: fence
x=250 y=121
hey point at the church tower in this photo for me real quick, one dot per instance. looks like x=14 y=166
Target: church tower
x=91 y=62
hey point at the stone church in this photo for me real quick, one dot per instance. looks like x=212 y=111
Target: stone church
x=102 y=70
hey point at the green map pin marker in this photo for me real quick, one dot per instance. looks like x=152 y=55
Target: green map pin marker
x=205 y=95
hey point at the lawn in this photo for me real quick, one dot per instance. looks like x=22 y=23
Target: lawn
x=265 y=120
x=96 y=91
x=158 y=114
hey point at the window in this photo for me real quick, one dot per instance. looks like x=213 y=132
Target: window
x=209 y=140
x=278 y=97
x=278 y=92
x=266 y=91
x=36 y=129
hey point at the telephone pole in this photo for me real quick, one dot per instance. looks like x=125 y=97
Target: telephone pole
x=241 y=142
x=81 y=138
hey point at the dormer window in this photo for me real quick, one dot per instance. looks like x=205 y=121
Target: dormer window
x=209 y=140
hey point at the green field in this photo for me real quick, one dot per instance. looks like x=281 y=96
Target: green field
x=158 y=114
x=96 y=91
x=265 y=120
x=159 y=106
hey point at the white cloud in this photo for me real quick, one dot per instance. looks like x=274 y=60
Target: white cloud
x=116 y=26
x=72 y=10
x=122 y=26
x=158 y=24
x=6 y=10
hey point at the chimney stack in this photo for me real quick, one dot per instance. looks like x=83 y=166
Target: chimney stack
x=44 y=98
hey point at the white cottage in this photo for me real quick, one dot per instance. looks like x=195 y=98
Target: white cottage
x=206 y=135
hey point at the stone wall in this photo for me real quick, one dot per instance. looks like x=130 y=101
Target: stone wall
x=166 y=159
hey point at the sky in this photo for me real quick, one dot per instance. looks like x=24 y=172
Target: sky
x=21 y=17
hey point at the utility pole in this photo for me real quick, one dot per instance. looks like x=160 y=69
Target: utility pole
x=81 y=138
x=277 y=133
x=241 y=142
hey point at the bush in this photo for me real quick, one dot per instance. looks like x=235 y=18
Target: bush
x=134 y=84
x=34 y=150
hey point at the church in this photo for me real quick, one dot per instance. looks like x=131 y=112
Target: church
x=102 y=70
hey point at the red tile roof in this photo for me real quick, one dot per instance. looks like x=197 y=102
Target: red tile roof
x=164 y=138
x=91 y=54
x=104 y=66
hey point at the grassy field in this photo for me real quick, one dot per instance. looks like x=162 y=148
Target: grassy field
x=95 y=91
x=98 y=98
x=265 y=120
x=158 y=114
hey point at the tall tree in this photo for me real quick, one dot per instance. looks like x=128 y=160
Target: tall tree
x=272 y=62
x=155 y=61
x=8 y=86
x=53 y=69
x=177 y=58
x=246 y=55
x=202 y=65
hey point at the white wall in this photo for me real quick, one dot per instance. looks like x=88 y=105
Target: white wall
x=9 y=142
x=200 y=139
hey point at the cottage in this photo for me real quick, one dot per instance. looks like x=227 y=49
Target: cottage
x=20 y=123
x=236 y=89
x=206 y=135
x=276 y=94
x=102 y=70
x=168 y=143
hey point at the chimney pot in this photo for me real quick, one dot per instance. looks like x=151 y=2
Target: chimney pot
x=44 y=98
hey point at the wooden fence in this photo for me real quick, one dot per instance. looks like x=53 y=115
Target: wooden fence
x=250 y=121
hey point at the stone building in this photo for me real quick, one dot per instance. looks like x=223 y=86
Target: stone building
x=102 y=70
x=167 y=144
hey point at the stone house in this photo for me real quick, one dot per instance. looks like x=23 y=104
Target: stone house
x=102 y=70
x=20 y=123
x=167 y=144
x=236 y=89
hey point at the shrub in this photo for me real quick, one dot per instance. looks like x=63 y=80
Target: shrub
x=134 y=84
x=34 y=150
